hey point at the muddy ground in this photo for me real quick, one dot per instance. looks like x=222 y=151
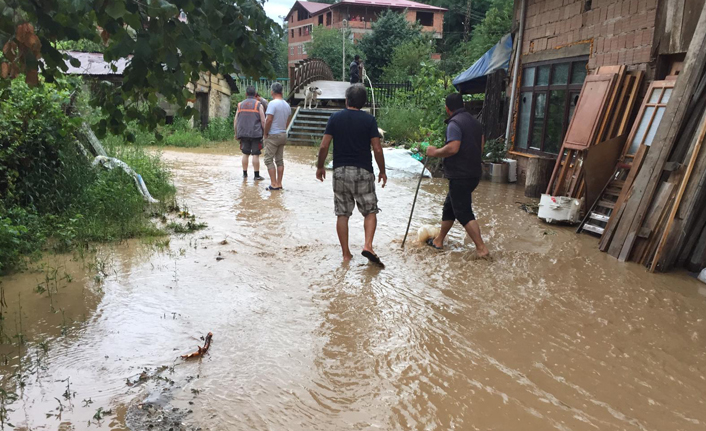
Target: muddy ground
x=550 y=334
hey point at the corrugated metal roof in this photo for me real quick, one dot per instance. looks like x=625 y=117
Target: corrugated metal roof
x=313 y=7
x=407 y=4
x=92 y=63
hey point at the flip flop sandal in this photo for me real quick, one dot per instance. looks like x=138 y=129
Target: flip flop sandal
x=373 y=258
x=430 y=243
x=270 y=188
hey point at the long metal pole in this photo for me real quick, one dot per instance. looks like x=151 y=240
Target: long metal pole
x=343 y=43
x=414 y=202
x=515 y=73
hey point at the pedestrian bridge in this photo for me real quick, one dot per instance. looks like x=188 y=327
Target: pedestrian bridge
x=316 y=73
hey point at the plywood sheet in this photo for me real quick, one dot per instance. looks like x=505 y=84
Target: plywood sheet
x=599 y=165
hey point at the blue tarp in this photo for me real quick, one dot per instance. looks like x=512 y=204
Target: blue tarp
x=497 y=57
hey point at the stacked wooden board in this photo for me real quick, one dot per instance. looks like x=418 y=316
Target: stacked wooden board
x=661 y=220
x=602 y=113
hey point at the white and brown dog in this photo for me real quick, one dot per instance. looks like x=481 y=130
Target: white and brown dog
x=311 y=95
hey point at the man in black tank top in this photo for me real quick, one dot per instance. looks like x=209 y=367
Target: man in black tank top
x=462 y=167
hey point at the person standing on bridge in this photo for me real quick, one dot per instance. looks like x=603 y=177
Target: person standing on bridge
x=355 y=70
x=462 y=167
x=278 y=112
x=248 y=124
x=354 y=132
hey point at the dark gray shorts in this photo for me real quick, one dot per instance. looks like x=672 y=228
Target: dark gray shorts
x=251 y=146
x=351 y=186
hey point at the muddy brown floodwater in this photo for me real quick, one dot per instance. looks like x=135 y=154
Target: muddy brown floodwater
x=550 y=334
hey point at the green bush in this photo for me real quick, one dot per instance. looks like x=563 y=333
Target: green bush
x=402 y=124
x=183 y=138
x=35 y=138
x=494 y=150
x=49 y=193
x=410 y=119
x=219 y=129
x=21 y=233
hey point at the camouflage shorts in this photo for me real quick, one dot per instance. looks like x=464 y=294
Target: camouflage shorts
x=351 y=186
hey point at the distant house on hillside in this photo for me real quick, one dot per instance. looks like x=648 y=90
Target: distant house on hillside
x=359 y=15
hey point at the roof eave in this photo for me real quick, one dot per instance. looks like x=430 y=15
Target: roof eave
x=343 y=2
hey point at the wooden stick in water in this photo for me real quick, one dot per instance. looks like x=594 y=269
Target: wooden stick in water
x=414 y=202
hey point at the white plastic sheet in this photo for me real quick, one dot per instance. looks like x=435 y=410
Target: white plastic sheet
x=399 y=163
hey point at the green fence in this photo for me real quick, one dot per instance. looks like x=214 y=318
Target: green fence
x=262 y=85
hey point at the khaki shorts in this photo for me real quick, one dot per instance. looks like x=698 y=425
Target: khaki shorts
x=274 y=150
x=351 y=186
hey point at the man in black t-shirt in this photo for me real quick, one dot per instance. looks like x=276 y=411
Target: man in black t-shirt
x=353 y=133
x=355 y=70
x=462 y=167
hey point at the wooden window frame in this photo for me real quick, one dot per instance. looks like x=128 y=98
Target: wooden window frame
x=642 y=148
x=535 y=89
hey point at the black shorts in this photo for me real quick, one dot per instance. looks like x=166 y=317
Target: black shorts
x=459 y=200
x=251 y=146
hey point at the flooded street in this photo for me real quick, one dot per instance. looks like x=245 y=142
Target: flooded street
x=550 y=334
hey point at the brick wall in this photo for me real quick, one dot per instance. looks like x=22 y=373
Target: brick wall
x=438 y=25
x=295 y=40
x=621 y=31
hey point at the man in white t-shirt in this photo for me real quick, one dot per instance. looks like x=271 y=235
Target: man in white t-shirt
x=278 y=112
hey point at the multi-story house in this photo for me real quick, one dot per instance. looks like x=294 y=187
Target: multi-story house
x=358 y=14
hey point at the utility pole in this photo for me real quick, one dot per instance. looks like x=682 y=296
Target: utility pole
x=467 y=22
x=343 y=41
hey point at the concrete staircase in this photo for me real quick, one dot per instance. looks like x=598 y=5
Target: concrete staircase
x=308 y=125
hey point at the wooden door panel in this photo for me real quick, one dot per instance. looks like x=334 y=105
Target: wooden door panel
x=590 y=108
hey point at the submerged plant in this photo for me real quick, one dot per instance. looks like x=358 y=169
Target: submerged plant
x=6 y=398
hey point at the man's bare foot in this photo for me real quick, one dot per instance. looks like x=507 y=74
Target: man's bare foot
x=438 y=244
x=483 y=253
x=347 y=257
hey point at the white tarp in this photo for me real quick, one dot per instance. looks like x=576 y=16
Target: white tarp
x=399 y=163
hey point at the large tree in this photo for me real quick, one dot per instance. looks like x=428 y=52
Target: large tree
x=327 y=44
x=496 y=23
x=460 y=20
x=389 y=31
x=277 y=48
x=168 y=44
x=406 y=60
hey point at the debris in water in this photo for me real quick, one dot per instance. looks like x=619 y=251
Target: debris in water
x=530 y=207
x=219 y=257
x=224 y=242
x=201 y=350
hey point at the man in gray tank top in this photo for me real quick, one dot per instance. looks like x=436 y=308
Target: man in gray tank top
x=462 y=167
